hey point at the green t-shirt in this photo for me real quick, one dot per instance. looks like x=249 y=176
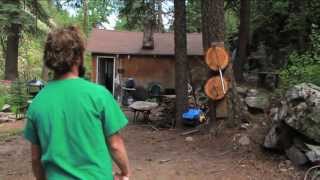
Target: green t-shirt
x=70 y=119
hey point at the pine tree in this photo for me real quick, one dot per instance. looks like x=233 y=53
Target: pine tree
x=181 y=58
x=19 y=97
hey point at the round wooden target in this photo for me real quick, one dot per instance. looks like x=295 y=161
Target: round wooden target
x=217 y=57
x=213 y=88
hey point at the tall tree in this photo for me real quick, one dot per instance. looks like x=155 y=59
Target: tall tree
x=213 y=28
x=212 y=32
x=244 y=33
x=12 y=38
x=15 y=17
x=181 y=59
x=136 y=14
x=90 y=13
x=85 y=17
x=11 y=61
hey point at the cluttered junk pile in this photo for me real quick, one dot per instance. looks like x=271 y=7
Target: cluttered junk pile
x=162 y=111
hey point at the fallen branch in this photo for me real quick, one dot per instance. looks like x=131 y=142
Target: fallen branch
x=190 y=132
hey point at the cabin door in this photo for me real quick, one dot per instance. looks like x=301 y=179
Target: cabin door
x=106 y=74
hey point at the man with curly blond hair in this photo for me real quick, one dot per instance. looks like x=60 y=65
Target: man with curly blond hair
x=73 y=125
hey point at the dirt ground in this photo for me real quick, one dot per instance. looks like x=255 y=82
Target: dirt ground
x=166 y=155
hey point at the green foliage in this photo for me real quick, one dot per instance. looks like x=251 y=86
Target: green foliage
x=194 y=23
x=231 y=23
x=32 y=44
x=2 y=101
x=18 y=96
x=98 y=12
x=30 y=56
x=121 y=24
x=283 y=26
x=194 y=16
x=133 y=13
x=1 y=62
x=304 y=67
x=25 y=13
x=3 y=95
x=62 y=17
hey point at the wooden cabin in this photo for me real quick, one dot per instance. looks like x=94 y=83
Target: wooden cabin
x=119 y=55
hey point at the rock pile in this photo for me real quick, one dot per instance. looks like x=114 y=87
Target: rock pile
x=296 y=125
x=256 y=101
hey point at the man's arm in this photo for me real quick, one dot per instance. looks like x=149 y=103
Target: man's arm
x=119 y=153
x=36 y=162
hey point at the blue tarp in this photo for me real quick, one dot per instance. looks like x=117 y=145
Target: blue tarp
x=192 y=114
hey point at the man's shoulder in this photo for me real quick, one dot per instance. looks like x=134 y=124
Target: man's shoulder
x=93 y=86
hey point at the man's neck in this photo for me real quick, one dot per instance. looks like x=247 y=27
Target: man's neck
x=69 y=75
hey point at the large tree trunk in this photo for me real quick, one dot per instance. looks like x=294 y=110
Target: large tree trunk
x=244 y=33
x=212 y=31
x=213 y=35
x=148 y=30
x=297 y=10
x=159 y=20
x=181 y=59
x=11 y=63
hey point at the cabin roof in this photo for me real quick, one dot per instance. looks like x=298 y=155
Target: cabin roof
x=127 y=42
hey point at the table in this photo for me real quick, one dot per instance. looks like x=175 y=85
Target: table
x=142 y=107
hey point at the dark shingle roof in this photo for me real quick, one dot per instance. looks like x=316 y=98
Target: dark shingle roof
x=125 y=42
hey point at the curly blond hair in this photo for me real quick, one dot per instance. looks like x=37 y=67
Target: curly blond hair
x=64 y=48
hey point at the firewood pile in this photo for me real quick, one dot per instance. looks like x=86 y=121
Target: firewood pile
x=164 y=115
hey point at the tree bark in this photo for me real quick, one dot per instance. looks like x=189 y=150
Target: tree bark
x=148 y=30
x=212 y=31
x=45 y=73
x=297 y=10
x=11 y=62
x=159 y=19
x=180 y=38
x=244 y=33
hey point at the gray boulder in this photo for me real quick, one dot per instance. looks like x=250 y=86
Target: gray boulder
x=279 y=137
x=296 y=155
x=252 y=93
x=314 y=153
x=257 y=100
x=242 y=90
x=303 y=112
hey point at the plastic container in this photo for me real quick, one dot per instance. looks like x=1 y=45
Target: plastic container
x=192 y=114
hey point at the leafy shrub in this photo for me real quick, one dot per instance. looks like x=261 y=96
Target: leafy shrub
x=18 y=96
x=303 y=67
x=3 y=95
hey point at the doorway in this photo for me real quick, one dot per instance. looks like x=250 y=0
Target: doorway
x=106 y=72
